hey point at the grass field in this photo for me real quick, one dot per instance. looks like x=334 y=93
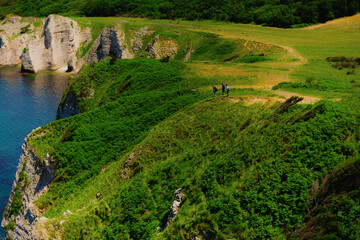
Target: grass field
x=303 y=55
x=247 y=164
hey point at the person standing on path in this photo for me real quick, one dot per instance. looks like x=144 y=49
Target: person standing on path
x=214 y=90
x=227 y=90
x=223 y=89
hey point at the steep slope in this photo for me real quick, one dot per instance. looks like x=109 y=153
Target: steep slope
x=334 y=209
x=245 y=170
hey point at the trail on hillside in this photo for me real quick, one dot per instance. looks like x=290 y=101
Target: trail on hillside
x=293 y=52
x=280 y=78
x=283 y=78
x=306 y=100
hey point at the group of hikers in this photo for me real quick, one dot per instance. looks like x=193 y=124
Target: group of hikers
x=223 y=88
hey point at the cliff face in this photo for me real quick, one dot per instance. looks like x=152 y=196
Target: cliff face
x=68 y=107
x=56 y=49
x=54 y=44
x=41 y=45
x=111 y=43
x=14 y=35
x=32 y=180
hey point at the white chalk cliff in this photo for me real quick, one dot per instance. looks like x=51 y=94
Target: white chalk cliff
x=13 y=39
x=57 y=47
x=52 y=46
x=39 y=174
x=57 y=43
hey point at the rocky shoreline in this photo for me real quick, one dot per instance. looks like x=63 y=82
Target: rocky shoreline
x=33 y=178
x=50 y=44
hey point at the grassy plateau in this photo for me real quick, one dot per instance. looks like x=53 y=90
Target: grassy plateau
x=278 y=159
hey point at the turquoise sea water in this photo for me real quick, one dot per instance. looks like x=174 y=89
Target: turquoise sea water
x=26 y=102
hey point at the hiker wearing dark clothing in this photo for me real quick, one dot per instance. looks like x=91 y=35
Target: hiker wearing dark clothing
x=214 y=90
x=227 y=90
x=223 y=89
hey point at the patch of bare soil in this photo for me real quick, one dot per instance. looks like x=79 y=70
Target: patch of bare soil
x=306 y=100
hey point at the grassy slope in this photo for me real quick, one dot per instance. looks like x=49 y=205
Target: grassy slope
x=246 y=170
x=313 y=44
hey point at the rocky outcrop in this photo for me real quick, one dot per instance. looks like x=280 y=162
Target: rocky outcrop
x=32 y=178
x=110 y=43
x=174 y=209
x=14 y=35
x=57 y=47
x=55 y=42
x=137 y=39
x=68 y=107
x=161 y=48
x=41 y=45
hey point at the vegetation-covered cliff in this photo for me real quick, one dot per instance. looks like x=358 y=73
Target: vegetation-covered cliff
x=151 y=154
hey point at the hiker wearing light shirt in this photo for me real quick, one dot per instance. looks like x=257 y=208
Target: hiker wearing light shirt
x=227 y=90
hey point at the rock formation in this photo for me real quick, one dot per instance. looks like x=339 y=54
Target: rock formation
x=111 y=43
x=161 y=48
x=174 y=209
x=55 y=42
x=57 y=47
x=32 y=178
x=68 y=107
x=14 y=36
x=52 y=45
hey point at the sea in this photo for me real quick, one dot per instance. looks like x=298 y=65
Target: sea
x=27 y=101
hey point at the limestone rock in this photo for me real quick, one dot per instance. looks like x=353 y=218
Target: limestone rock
x=13 y=41
x=14 y=19
x=161 y=48
x=68 y=107
x=174 y=209
x=40 y=175
x=51 y=47
x=137 y=39
x=111 y=43
x=57 y=47
x=129 y=162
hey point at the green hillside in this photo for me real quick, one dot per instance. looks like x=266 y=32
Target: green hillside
x=267 y=12
x=260 y=164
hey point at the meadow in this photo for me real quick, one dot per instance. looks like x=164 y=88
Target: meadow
x=251 y=166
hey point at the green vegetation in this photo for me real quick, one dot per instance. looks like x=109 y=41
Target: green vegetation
x=269 y=156
x=25 y=29
x=10 y=226
x=265 y=12
x=16 y=200
x=250 y=166
x=340 y=220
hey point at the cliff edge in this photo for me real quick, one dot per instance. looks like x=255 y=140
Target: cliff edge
x=32 y=180
x=42 y=44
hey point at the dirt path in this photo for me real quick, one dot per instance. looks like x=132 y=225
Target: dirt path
x=282 y=78
x=293 y=52
x=306 y=100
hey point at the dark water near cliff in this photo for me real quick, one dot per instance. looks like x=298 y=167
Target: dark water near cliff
x=26 y=102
